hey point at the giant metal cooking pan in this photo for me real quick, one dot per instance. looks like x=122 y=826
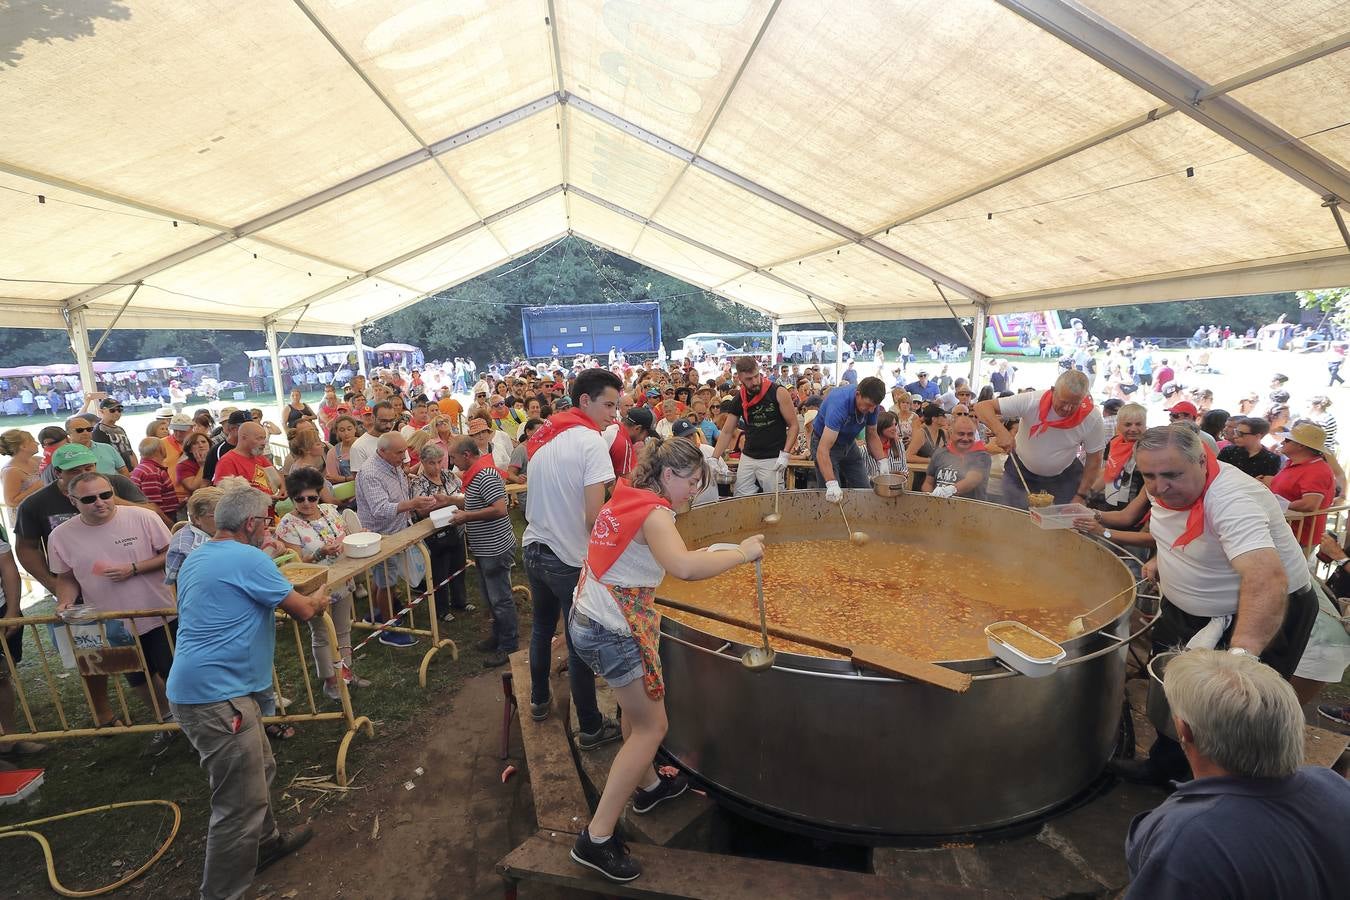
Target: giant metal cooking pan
x=813 y=742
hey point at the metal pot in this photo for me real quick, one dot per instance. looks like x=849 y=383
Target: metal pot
x=1159 y=710
x=888 y=485
x=814 y=744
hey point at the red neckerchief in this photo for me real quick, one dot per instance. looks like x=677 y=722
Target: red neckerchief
x=618 y=523
x=976 y=447
x=621 y=453
x=764 y=385
x=1117 y=456
x=1047 y=400
x=1195 y=519
x=478 y=465
x=555 y=425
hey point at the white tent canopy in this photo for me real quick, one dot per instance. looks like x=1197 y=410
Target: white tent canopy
x=322 y=163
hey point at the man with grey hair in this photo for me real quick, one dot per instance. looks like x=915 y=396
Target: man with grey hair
x=228 y=590
x=81 y=431
x=1056 y=424
x=1252 y=823
x=1231 y=573
x=385 y=506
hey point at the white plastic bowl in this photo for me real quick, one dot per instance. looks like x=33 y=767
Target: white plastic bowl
x=361 y=544
x=441 y=517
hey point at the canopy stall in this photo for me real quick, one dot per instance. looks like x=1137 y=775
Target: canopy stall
x=314 y=166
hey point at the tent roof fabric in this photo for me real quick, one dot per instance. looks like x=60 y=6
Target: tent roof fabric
x=321 y=163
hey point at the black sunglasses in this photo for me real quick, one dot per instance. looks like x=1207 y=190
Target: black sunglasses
x=81 y=430
x=114 y=409
x=308 y=498
x=106 y=495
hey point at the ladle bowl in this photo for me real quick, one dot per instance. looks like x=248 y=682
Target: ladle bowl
x=760 y=659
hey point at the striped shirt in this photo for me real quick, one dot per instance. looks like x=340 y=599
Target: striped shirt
x=1327 y=422
x=153 y=480
x=488 y=537
x=183 y=542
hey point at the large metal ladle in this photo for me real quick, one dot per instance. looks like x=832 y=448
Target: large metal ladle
x=856 y=538
x=758 y=659
x=774 y=517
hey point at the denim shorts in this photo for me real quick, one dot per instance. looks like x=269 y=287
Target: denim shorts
x=613 y=655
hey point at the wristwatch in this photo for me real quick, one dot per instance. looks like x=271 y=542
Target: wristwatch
x=1242 y=651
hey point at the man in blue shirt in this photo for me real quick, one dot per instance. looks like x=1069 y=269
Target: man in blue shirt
x=1252 y=823
x=228 y=590
x=845 y=413
x=923 y=387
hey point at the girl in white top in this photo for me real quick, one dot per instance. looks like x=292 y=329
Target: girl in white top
x=614 y=627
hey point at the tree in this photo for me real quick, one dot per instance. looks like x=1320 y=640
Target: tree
x=1334 y=302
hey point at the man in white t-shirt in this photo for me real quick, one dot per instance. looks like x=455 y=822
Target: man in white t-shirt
x=1231 y=573
x=569 y=469
x=1055 y=425
x=384 y=418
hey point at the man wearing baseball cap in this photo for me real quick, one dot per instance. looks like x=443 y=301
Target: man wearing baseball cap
x=686 y=430
x=1186 y=413
x=40 y=512
x=107 y=431
x=180 y=426
x=229 y=430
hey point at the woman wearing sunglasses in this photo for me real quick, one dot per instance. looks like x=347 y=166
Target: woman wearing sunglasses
x=314 y=531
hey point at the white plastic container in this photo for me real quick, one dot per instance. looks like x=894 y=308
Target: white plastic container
x=441 y=517
x=1061 y=516
x=361 y=544
x=1023 y=661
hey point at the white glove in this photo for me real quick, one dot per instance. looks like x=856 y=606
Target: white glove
x=781 y=465
x=833 y=492
x=945 y=490
x=884 y=465
x=720 y=468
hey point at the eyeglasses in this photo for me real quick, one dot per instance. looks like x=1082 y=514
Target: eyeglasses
x=308 y=498
x=93 y=498
x=964 y=415
x=81 y=430
x=499 y=404
x=1174 y=416
x=1243 y=433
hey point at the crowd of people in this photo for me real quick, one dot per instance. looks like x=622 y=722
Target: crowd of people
x=600 y=457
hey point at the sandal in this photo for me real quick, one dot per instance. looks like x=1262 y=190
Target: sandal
x=280 y=731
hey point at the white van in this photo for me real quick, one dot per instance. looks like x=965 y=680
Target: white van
x=798 y=346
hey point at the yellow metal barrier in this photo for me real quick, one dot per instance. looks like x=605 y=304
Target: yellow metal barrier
x=107 y=660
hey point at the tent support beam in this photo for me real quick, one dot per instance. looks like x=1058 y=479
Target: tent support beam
x=274 y=353
x=977 y=344
x=699 y=245
x=1149 y=70
x=291 y=210
x=413 y=254
x=772 y=197
x=838 y=349
x=360 y=351
x=78 y=332
x=113 y=324
x=1335 y=207
x=773 y=341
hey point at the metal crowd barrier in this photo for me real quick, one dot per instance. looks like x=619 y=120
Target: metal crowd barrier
x=96 y=655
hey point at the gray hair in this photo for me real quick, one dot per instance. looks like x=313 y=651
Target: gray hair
x=386 y=440
x=149 y=447
x=1072 y=383
x=465 y=445
x=1130 y=410
x=431 y=453
x=86 y=476
x=239 y=502
x=1243 y=715
x=1181 y=436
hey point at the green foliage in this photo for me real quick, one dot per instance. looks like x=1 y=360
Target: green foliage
x=1183 y=317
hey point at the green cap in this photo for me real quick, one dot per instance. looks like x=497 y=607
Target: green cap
x=70 y=456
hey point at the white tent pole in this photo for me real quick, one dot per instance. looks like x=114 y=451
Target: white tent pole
x=773 y=341
x=839 y=350
x=78 y=331
x=270 y=331
x=360 y=351
x=977 y=345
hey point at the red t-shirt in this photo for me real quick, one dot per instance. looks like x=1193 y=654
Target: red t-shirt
x=1311 y=477
x=252 y=469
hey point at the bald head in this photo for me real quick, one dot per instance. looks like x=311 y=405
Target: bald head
x=391 y=447
x=252 y=439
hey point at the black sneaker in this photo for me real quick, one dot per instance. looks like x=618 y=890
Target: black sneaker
x=160 y=741
x=495 y=658
x=610 y=859
x=673 y=786
x=486 y=645
x=540 y=711
x=608 y=732
x=286 y=843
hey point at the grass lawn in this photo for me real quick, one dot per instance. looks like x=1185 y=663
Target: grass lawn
x=85 y=772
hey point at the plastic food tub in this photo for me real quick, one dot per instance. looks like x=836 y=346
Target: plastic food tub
x=1060 y=516
x=361 y=544
x=441 y=517
x=1023 y=658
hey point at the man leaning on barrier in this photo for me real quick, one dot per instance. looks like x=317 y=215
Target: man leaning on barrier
x=227 y=592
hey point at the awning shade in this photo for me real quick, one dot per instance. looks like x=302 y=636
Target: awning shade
x=333 y=161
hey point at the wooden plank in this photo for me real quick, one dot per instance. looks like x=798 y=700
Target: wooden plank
x=668 y=873
x=559 y=801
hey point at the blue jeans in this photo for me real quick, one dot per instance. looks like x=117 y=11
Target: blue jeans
x=552 y=584
x=849 y=469
x=494 y=577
